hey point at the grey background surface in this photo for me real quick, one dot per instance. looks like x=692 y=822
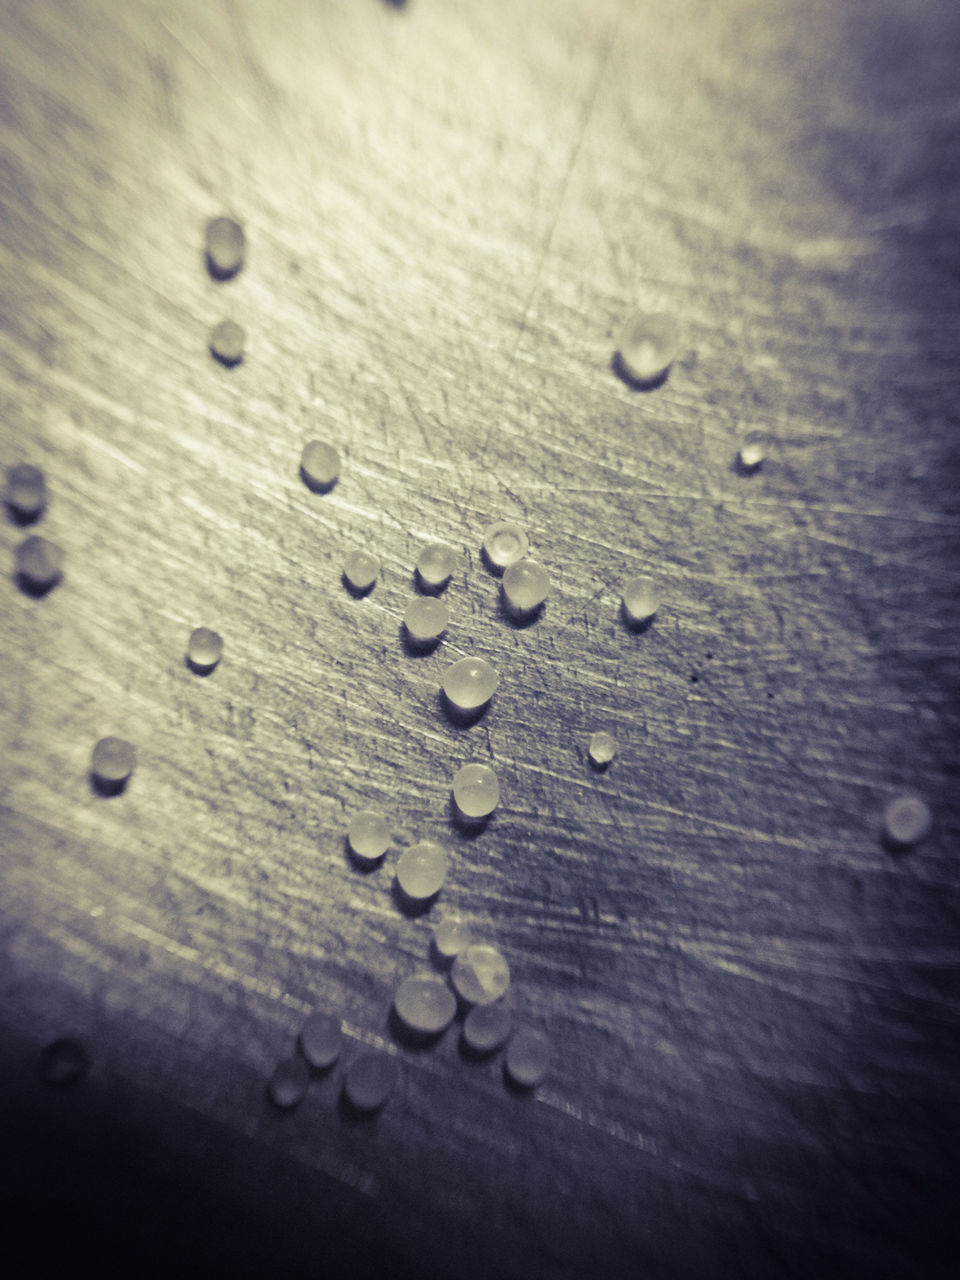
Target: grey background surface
x=450 y=209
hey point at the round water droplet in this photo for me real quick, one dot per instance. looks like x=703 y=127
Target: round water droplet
x=476 y=790
x=421 y=870
x=480 y=974
x=62 y=1062
x=26 y=491
x=226 y=342
x=289 y=1081
x=425 y=619
x=504 y=543
x=435 y=565
x=369 y=835
x=320 y=1040
x=648 y=346
x=360 y=571
x=39 y=563
x=470 y=683
x=450 y=937
x=602 y=749
x=425 y=1004
x=525 y=586
x=319 y=466
x=907 y=819
x=528 y=1057
x=204 y=649
x=752 y=452
x=369 y=1080
x=113 y=760
x=487 y=1026
x=641 y=600
x=224 y=242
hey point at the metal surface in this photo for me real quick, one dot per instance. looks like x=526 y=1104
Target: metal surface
x=450 y=210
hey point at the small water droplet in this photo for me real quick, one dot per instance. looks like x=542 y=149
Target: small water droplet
x=26 y=491
x=450 y=936
x=907 y=819
x=225 y=243
x=369 y=835
x=528 y=1057
x=752 y=452
x=487 y=1026
x=435 y=565
x=425 y=619
x=227 y=341
x=480 y=974
x=649 y=344
x=476 y=790
x=369 y=1080
x=112 y=761
x=39 y=564
x=321 y=1038
x=204 y=649
x=421 y=870
x=62 y=1062
x=469 y=683
x=602 y=748
x=289 y=1081
x=525 y=587
x=319 y=466
x=360 y=571
x=640 y=600
x=425 y=1004
x=504 y=543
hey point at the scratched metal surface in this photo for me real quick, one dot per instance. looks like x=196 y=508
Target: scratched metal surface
x=449 y=210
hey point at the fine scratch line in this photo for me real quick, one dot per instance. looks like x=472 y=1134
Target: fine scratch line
x=585 y=116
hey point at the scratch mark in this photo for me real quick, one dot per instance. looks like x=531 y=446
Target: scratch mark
x=584 y=122
x=205 y=66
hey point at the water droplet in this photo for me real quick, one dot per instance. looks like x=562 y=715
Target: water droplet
x=39 y=564
x=649 y=344
x=476 y=790
x=113 y=760
x=641 y=600
x=226 y=342
x=450 y=937
x=204 y=649
x=602 y=748
x=62 y=1062
x=360 y=571
x=435 y=565
x=425 y=619
x=421 y=870
x=752 y=452
x=469 y=683
x=369 y=1080
x=320 y=1040
x=525 y=586
x=907 y=820
x=225 y=246
x=319 y=466
x=504 y=543
x=289 y=1081
x=26 y=491
x=425 y=1004
x=528 y=1057
x=487 y=1026
x=480 y=973
x=369 y=835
